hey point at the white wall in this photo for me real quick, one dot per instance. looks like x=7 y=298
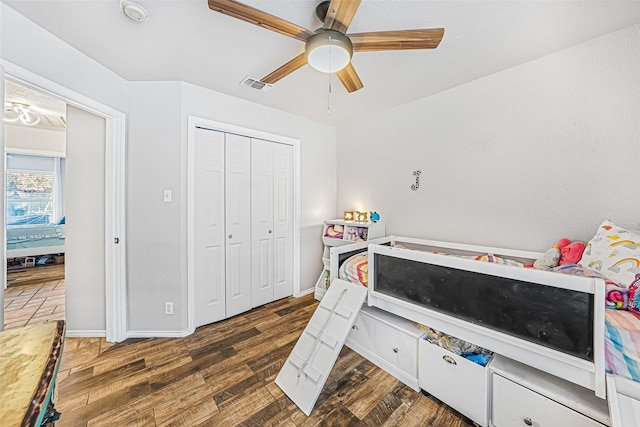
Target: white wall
x=157 y=160
x=84 y=233
x=29 y=138
x=29 y=46
x=518 y=159
x=156 y=271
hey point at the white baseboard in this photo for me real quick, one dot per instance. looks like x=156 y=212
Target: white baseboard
x=159 y=334
x=304 y=292
x=81 y=333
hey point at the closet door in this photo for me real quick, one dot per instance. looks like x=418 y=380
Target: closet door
x=238 y=224
x=209 y=226
x=262 y=222
x=283 y=220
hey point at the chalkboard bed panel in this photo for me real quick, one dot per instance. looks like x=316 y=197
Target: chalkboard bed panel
x=550 y=321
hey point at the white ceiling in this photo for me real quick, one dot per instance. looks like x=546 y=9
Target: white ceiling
x=184 y=40
x=52 y=111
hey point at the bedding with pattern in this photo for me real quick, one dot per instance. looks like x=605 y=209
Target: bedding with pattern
x=355 y=268
x=20 y=237
x=622 y=343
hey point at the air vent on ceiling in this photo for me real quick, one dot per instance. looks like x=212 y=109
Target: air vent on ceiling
x=254 y=83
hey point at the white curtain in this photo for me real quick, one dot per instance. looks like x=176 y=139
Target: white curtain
x=58 y=190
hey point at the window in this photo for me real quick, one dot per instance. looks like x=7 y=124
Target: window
x=31 y=194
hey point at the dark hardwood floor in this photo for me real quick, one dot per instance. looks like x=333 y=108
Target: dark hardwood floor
x=223 y=375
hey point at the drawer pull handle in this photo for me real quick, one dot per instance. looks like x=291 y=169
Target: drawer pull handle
x=395 y=349
x=354 y=327
x=528 y=421
x=449 y=359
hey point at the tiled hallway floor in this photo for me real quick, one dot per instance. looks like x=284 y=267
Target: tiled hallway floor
x=35 y=303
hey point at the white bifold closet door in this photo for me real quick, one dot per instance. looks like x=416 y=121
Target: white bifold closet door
x=209 y=228
x=272 y=225
x=243 y=224
x=238 y=223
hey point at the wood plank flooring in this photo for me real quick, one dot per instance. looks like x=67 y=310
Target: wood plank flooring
x=223 y=375
x=37 y=274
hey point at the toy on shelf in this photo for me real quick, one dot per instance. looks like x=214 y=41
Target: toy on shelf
x=335 y=231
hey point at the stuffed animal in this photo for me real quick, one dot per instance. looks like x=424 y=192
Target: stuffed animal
x=570 y=252
x=548 y=260
x=634 y=295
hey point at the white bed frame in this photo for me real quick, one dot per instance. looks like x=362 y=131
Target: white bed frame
x=40 y=250
x=585 y=373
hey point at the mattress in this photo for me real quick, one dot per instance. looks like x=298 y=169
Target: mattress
x=622 y=343
x=355 y=269
x=35 y=236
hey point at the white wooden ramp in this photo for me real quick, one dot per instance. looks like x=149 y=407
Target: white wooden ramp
x=305 y=372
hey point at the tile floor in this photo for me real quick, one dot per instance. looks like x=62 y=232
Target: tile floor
x=33 y=303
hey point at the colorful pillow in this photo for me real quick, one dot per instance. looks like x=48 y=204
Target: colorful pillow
x=615 y=296
x=634 y=295
x=613 y=252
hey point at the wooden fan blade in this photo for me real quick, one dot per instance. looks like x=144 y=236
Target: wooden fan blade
x=260 y=18
x=286 y=69
x=340 y=14
x=349 y=78
x=397 y=40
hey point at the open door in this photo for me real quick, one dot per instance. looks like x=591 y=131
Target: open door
x=112 y=262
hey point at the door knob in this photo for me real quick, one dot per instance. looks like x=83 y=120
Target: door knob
x=230 y=236
x=270 y=231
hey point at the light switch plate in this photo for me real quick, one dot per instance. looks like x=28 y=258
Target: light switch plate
x=167 y=195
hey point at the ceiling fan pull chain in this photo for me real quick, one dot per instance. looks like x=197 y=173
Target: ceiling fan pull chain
x=329 y=95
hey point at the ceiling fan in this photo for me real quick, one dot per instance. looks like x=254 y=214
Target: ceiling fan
x=329 y=48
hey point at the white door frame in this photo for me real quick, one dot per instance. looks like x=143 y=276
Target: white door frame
x=193 y=123
x=115 y=140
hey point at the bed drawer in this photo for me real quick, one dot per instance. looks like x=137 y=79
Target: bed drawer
x=515 y=405
x=388 y=341
x=454 y=380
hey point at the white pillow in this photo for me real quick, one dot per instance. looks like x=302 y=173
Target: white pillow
x=614 y=252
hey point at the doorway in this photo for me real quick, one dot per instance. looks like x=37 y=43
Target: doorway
x=35 y=147
x=111 y=296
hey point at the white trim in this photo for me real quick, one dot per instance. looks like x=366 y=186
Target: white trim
x=30 y=152
x=305 y=292
x=160 y=334
x=194 y=122
x=3 y=273
x=84 y=333
x=115 y=140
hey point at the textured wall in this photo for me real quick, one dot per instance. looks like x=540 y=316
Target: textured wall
x=518 y=159
x=157 y=160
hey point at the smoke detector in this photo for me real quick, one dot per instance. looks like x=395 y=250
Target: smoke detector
x=134 y=11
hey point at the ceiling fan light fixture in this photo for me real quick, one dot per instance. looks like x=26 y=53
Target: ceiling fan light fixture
x=18 y=111
x=328 y=51
x=11 y=115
